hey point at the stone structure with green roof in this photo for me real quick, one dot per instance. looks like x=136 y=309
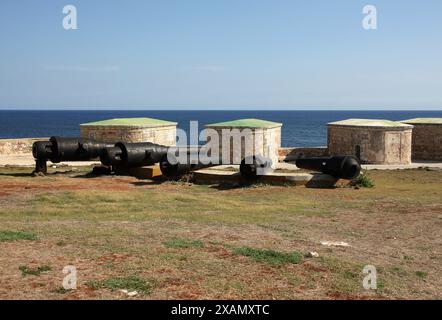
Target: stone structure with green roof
x=370 y=123
x=375 y=141
x=131 y=122
x=131 y=130
x=427 y=138
x=246 y=123
x=245 y=137
x=436 y=121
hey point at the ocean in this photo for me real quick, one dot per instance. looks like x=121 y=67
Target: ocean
x=300 y=128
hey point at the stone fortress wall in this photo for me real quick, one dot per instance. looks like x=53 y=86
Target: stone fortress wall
x=165 y=135
x=427 y=139
x=374 y=146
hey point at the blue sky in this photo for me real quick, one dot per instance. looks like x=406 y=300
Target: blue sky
x=189 y=54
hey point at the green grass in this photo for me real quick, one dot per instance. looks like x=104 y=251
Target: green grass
x=399 y=271
x=421 y=274
x=350 y=275
x=183 y=243
x=347 y=276
x=201 y=204
x=269 y=256
x=27 y=271
x=131 y=283
x=17 y=235
x=364 y=180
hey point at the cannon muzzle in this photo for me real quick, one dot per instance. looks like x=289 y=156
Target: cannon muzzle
x=42 y=150
x=254 y=166
x=344 y=167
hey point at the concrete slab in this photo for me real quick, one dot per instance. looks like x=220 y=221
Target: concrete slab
x=217 y=175
x=414 y=165
x=279 y=166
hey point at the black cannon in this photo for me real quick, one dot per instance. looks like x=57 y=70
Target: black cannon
x=343 y=167
x=254 y=166
x=174 y=161
x=59 y=149
x=131 y=155
x=175 y=165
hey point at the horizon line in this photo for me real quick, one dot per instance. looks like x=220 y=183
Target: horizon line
x=217 y=109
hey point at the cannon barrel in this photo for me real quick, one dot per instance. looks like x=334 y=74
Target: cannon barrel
x=345 y=167
x=174 y=167
x=188 y=159
x=59 y=149
x=129 y=155
x=75 y=149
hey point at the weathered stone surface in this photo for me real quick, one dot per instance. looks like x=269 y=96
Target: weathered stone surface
x=222 y=174
x=427 y=139
x=131 y=130
x=248 y=137
x=17 y=146
x=375 y=142
x=291 y=154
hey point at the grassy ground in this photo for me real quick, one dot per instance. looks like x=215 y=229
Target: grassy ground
x=177 y=240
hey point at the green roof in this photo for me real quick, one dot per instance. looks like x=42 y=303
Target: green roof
x=423 y=121
x=131 y=122
x=374 y=123
x=247 y=123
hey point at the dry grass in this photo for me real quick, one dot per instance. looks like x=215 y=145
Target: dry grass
x=182 y=240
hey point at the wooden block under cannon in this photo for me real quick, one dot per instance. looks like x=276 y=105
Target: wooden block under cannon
x=147 y=172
